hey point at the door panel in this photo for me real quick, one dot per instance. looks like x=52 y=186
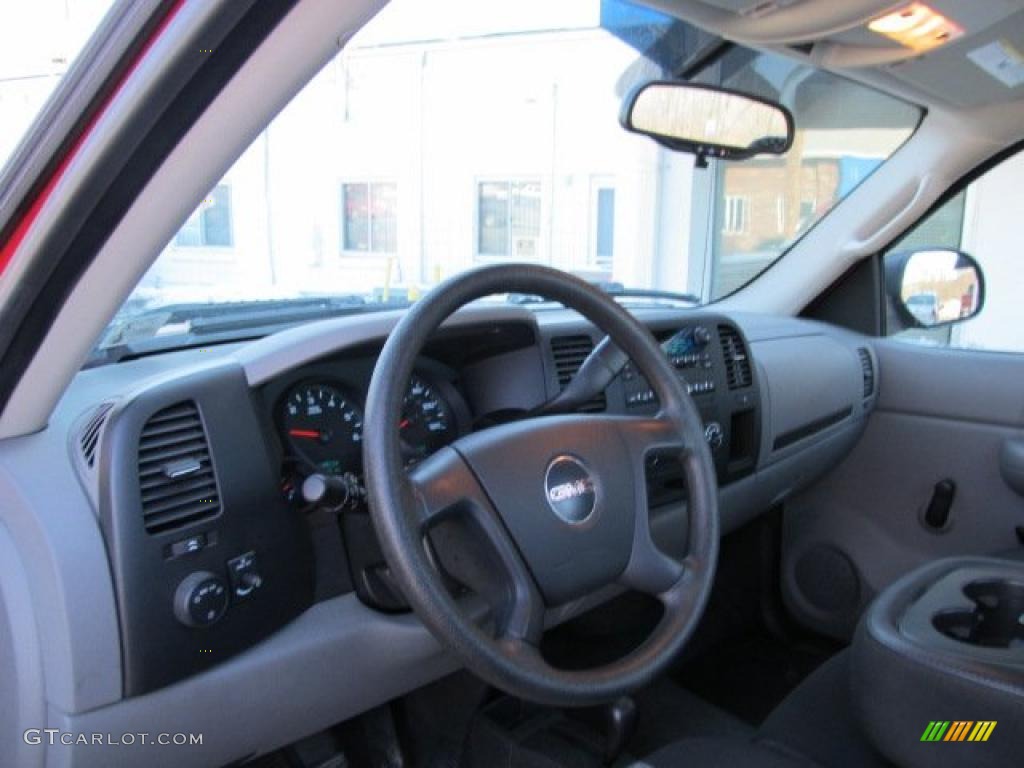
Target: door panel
x=941 y=415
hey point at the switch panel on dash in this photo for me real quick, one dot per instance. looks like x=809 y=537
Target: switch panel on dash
x=245 y=578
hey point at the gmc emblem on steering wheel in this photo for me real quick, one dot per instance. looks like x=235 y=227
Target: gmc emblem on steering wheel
x=570 y=490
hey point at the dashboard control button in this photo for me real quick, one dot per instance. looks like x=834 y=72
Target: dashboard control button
x=245 y=578
x=328 y=491
x=701 y=335
x=189 y=545
x=201 y=599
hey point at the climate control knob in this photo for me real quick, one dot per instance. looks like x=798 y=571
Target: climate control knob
x=201 y=599
x=714 y=435
x=701 y=335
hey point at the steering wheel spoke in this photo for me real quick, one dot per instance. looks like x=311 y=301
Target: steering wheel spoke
x=445 y=485
x=520 y=617
x=650 y=570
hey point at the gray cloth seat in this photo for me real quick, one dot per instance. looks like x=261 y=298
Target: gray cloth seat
x=814 y=726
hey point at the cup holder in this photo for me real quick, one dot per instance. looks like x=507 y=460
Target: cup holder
x=996 y=621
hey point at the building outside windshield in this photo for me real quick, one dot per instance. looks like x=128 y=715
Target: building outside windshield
x=453 y=133
x=457 y=133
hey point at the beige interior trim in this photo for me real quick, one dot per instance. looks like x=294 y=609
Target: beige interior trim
x=796 y=23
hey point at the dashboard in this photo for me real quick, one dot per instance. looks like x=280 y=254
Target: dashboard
x=216 y=497
x=316 y=413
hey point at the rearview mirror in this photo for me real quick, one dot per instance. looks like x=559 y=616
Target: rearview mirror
x=707 y=121
x=934 y=287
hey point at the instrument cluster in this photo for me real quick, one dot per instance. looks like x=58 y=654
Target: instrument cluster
x=320 y=424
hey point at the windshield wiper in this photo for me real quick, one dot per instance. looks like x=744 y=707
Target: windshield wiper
x=140 y=333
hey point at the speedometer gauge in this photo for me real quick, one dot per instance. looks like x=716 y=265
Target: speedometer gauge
x=323 y=425
x=427 y=422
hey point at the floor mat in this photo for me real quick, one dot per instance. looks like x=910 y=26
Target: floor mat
x=749 y=677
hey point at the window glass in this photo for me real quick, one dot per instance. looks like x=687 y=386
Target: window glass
x=605 y=238
x=39 y=39
x=355 y=201
x=844 y=131
x=210 y=224
x=983 y=221
x=217 y=218
x=493 y=206
x=383 y=218
x=524 y=214
x=369 y=217
x=509 y=219
x=736 y=215
x=450 y=133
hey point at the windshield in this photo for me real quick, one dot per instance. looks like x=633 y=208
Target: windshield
x=453 y=133
x=39 y=40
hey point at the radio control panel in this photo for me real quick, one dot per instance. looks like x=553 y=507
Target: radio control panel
x=712 y=362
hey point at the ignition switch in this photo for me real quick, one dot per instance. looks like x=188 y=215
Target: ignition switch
x=714 y=435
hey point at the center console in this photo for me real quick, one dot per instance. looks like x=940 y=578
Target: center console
x=712 y=360
x=939 y=657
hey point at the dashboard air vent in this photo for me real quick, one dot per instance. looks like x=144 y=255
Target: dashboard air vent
x=737 y=362
x=867 y=367
x=90 y=435
x=569 y=353
x=176 y=477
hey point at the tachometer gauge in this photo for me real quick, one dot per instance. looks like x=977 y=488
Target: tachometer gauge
x=427 y=422
x=323 y=425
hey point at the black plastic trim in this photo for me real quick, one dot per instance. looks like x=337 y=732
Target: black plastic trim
x=147 y=567
x=811 y=428
x=79 y=94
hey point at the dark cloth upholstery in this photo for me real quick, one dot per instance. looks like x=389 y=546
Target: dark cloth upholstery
x=818 y=721
x=721 y=753
x=814 y=726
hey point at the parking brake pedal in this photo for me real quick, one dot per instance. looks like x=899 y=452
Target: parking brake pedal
x=621 y=724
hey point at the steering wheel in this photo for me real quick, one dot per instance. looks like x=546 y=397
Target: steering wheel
x=560 y=502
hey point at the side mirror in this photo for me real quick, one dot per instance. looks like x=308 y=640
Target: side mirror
x=933 y=287
x=706 y=120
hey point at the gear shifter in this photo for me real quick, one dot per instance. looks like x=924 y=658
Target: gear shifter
x=620 y=720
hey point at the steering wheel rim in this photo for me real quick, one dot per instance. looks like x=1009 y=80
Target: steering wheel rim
x=478 y=474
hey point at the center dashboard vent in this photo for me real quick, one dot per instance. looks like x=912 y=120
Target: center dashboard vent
x=176 y=478
x=867 y=367
x=737 y=362
x=569 y=353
